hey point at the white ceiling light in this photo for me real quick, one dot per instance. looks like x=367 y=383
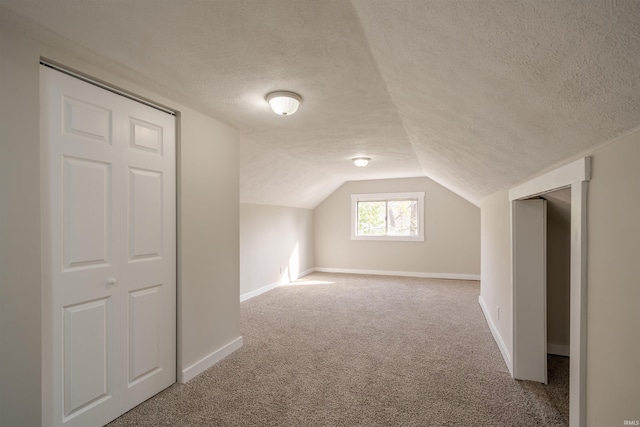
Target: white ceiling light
x=361 y=161
x=284 y=103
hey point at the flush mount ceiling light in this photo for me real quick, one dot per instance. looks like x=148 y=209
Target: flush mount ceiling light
x=361 y=161
x=284 y=103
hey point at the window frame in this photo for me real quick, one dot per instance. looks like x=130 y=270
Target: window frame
x=387 y=197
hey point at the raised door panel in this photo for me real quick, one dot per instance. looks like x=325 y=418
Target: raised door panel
x=145 y=136
x=145 y=214
x=85 y=347
x=87 y=213
x=145 y=313
x=86 y=120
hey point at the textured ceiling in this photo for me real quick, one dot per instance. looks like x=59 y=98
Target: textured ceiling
x=477 y=95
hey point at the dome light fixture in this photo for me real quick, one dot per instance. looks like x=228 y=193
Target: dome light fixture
x=361 y=161
x=283 y=102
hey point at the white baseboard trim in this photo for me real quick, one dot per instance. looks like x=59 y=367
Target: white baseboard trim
x=208 y=361
x=558 y=349
x=496 y=336
x=259 y=291
x=267 y=288
x=304 y=273
x=400 y=273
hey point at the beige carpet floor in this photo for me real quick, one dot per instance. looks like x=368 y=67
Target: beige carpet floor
x=351 y=350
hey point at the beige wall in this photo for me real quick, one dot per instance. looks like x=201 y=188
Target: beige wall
x=20 y=295
x=208 y=180
x=209 y=246
x=613 y=275
x=275 y=241
x=613 y=272
x=452 y=232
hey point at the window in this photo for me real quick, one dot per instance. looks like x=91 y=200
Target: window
x=388 y=216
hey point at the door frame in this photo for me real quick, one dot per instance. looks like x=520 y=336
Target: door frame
x=575 y=175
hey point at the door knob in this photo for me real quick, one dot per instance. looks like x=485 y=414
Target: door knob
x=111 y=281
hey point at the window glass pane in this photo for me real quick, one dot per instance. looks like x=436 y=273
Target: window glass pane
x=371 y=218
x=403 y=217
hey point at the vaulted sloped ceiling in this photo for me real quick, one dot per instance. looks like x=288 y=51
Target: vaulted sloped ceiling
x=491 y=92
x=477 y=95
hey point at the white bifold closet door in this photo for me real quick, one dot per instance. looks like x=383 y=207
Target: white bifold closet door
x=530 y=289
x=109 y=306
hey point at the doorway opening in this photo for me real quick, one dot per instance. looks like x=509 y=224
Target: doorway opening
x=558 y=299
x=558 y=271
x=529 y=279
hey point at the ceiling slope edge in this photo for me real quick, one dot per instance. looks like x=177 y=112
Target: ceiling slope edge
x=466 y=195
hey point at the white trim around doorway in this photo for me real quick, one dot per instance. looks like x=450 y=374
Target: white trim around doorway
x=576 y=176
